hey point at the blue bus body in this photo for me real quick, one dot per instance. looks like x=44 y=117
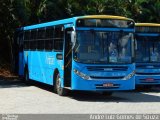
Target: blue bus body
x=147 y=60
x=42 y=64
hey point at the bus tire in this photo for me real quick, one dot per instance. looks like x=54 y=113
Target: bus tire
x=57 y=87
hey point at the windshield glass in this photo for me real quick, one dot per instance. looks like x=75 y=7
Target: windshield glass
x=103 y=47
x=113 y=23
x=147 y=49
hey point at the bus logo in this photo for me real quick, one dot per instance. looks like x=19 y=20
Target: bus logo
x=50 y=60
x=108 y=69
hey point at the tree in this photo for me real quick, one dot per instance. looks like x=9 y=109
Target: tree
x=18 y=13
x=151 y=9
x=7 y=24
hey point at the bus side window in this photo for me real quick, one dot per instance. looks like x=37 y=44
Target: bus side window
x=26 y=39
x=33 y=42
x=19 y=43
x=49 y=38
x=58 y=38
x=41 y=38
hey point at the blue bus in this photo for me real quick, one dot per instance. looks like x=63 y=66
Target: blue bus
x=88 y=53
x=147 y=51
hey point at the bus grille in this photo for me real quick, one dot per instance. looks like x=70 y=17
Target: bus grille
x=108 y=78
x=148 y=66
x=107 y=68
x=139 y=73
x=145 y=81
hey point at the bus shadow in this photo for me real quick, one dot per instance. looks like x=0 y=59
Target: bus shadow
x=124 y=96
x=11 y=82
x=117 y=97
x=85 y=96
x=149 y=90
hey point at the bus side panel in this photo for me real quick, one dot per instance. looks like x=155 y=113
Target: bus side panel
x=41 y=66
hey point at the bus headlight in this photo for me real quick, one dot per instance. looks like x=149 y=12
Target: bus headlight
x=82 y=75
x=129 y=75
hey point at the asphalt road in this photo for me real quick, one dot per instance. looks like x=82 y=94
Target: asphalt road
x=17 y=97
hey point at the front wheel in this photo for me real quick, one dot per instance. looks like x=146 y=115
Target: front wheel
x=58 y=89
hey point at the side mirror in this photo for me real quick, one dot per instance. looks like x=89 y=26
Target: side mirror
x=59 y=56
x=73 y=38
x=131 y=24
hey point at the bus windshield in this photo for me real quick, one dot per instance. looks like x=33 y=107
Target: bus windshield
x=103 y=47
x=147 y=49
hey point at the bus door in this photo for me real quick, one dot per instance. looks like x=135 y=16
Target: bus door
x=67 y=58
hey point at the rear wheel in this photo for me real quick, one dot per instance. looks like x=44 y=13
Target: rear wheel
x=58 y=89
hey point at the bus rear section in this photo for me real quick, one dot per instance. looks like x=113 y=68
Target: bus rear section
x=147 y=54
x=17 y=58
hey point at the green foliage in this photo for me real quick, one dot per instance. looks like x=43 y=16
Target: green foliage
x=150 y=11
x=7 y=25
x=17 y=13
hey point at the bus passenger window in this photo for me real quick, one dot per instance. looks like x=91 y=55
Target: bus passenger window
x=49 y=38
x=58 y=44
x=40 y=38
x=33 y=41
x=26 y=39
x=58 y=38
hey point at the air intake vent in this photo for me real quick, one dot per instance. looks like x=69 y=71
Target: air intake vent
x=108 y=78
x=139 y=73
x=148 y=66
x=149 y=81
x=107 y=68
